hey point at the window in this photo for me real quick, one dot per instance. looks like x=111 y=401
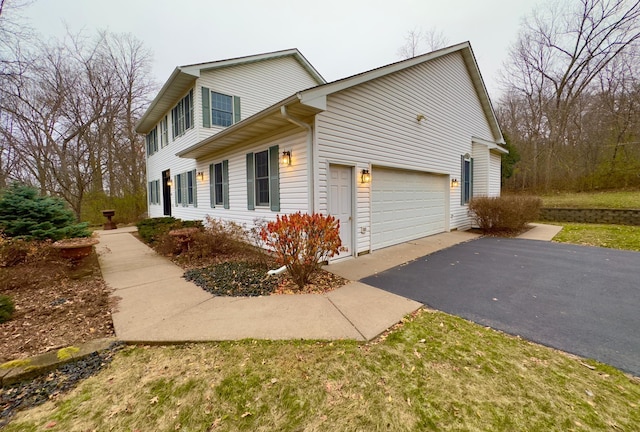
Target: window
x=263 y=179
x=467 y=179
x=219 y=109
x=164 y=132
x=219 y=184
x=154 y=192
x=152 y=141
x=182 y=115
x=186 y=189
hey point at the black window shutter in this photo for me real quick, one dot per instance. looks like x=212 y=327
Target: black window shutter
x=225 y=183
x=274 y=178
x=250 y=182
x=206 y=107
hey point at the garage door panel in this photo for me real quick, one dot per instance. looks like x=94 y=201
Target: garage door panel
x=405 y=205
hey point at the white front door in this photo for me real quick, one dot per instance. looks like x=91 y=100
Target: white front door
x=340 y=203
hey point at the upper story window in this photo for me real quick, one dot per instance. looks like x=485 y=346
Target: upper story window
x=219 y=109
x=182 y=115
x=152 y=141
x=164 y=132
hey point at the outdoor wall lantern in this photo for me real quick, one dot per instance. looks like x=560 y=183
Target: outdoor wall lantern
x=454 y=183
x=286 y=157
x=200 y=176
x=366 y=176
x=169 y=183
x=420 y=117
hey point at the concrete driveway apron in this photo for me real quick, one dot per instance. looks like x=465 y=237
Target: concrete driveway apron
x=580 y=299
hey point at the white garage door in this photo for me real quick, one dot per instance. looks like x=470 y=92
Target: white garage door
x=406 y=205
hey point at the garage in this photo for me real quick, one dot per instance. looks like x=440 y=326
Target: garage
x=406 y=205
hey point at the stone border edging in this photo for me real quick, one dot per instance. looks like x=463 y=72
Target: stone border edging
x=20 y=370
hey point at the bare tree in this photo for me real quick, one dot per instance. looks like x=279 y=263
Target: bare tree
x=554 y=70
x=419 y=41
x=72 y=116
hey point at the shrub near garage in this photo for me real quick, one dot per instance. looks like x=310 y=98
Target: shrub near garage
x=301 y=242
x=505 y=214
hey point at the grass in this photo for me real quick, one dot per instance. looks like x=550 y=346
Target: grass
x=614 y=200
x=435 y=372
x=610 y=236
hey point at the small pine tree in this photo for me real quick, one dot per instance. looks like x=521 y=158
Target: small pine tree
x=24 y=213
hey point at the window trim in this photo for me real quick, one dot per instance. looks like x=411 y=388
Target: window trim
x=164 y=132
x=206 y=95
x=466 y=179
x=152 y=141
x=154 y=192
x=186 y=189
x=274 y=180
x=223 y=199
x=266 y=178
x=182 y=116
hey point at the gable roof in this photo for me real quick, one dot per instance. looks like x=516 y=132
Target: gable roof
x=315 y=95
x=312 y=101
x=183 y=77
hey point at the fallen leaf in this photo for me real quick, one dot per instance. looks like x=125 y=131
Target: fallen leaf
x=51 y=424
x=246 y=414
x=153 y=400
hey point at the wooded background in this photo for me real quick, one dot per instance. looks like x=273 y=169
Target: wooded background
x=569 y=107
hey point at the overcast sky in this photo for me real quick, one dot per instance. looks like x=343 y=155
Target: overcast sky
x=339 y=37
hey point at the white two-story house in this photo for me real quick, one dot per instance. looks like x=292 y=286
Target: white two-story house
x=395 y=153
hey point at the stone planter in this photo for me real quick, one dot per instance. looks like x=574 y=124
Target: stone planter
x=75 y=249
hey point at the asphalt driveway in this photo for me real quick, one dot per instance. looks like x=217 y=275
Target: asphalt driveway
x=583 y=300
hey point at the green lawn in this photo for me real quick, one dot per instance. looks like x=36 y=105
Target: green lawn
x=618 y=200
x=610 y=236
x=433 y=373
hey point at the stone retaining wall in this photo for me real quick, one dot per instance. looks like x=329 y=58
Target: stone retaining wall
x=602 y=216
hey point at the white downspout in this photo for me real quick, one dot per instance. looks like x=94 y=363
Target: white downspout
x=310 y=158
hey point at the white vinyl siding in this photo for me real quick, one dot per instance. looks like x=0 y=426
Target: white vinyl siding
x=374 y=123
x=480 y=170
x=259 y=85
x=495 y=174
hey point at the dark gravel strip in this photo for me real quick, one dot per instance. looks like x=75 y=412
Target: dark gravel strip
x=32 y=393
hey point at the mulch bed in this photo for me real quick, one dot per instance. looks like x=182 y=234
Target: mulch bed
x=57 y=305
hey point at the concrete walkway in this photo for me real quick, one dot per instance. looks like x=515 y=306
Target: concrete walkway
x=156 y=305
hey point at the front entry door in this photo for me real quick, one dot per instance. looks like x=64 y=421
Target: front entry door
x=340 y=204
x=166 y=193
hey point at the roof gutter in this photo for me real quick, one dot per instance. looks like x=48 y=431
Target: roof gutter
x=310 y=155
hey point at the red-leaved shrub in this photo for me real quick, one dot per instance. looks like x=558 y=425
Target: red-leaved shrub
x=301 y=242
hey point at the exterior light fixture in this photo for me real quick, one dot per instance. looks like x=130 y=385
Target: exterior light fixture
x=420 y=117
x=200 y=176
x=169 y=183
x=454 y=183
x=366 y=176
x=286 y=157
